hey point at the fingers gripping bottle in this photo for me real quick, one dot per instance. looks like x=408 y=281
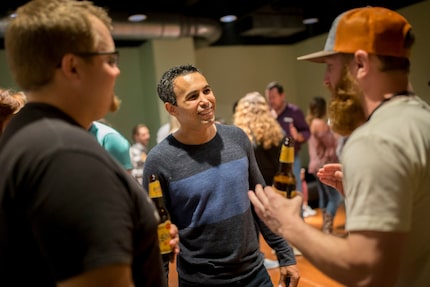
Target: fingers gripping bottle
x=156 y=194
x=284 y=181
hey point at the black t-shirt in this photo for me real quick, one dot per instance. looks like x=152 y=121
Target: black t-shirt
x=268 y=161
x=66 y=206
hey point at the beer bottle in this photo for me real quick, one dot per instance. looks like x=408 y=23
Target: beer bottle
x=156 y=194
x=284 y=181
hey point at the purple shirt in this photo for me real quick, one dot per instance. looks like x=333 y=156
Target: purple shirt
x=293 y=114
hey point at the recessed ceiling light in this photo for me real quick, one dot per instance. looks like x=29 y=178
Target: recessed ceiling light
x=137 y=18
x=310 y=21
x=228 y=18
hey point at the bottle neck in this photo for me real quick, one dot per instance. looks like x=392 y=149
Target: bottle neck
x=287 y=155
x=286 y=166
x=155 y=193
x=158 y=201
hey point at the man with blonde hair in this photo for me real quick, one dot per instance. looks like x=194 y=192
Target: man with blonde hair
x=70 y=214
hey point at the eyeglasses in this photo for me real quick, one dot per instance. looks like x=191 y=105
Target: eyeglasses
x=113 y=56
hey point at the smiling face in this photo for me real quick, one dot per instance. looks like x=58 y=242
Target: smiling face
x=142 y=136
x=195 y=101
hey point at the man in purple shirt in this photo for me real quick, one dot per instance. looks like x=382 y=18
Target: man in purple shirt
x=292 y=121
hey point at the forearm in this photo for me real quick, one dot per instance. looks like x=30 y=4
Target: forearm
x=362 y=259
x=284 y=252
x=108 y=276
x=299 y=137
x=352 y=261
x=321 y=251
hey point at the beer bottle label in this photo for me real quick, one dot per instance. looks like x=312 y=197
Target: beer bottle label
x=155 y=189
x=287 y=154
x=286 y=194
x=164 y=237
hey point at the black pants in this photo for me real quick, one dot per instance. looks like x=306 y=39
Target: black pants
x=258 y=279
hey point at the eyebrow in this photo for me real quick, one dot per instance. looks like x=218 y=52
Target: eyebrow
x=195 y=91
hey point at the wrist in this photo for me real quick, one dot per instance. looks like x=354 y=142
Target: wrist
x=283 y=270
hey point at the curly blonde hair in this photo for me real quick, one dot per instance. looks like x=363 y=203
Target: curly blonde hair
x=252 y=114
x=10 y=103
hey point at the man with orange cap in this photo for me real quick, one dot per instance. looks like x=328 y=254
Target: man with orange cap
x=385 y=162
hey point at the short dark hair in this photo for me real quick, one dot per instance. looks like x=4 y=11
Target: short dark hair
x=318 y=107
x=275 y=85
x=137 y=127
x=165 y=88
x=390 y=63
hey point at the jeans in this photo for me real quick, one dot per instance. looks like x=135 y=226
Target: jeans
x=260 y=278
x=329 y=198
x=296 y=170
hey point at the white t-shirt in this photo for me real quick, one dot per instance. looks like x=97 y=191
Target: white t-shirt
x=386 y=165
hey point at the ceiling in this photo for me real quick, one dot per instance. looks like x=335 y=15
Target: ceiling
x=260 y=22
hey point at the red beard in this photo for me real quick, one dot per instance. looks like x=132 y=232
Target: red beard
x=346 y=107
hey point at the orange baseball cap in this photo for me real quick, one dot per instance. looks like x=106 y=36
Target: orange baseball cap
x=376 y=30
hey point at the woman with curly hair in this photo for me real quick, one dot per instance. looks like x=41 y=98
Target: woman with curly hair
x=252 y=114
x=10 y=103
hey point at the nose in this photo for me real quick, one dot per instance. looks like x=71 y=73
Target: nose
x=204 y=103
x=326 y=80
x=204 y=98
x=326 y=83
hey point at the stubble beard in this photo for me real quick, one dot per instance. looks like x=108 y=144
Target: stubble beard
x=346 y=106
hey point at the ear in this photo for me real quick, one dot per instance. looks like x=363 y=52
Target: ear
x=69 y=66
x=362 y=63
x=171 y=109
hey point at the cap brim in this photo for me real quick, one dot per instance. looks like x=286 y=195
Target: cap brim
x=317 y=57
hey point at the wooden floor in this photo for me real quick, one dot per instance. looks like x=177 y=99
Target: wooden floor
x=310 y=276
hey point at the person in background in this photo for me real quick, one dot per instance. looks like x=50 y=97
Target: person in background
x=322 y=147
x=252 y=114
x=168 y=128
x=292 y=121
x=139 y=150
x=385 y=163
x=110 y=139
x=205 y=170
x=70 y=215
x=10 y=103
x=113 y=142
x=306 y=209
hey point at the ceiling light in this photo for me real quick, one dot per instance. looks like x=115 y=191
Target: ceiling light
x=310 y=21
x=228 y=18
x=137 y=18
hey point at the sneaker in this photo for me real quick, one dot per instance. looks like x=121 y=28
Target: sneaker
x=271 y=264
x=308 y=211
